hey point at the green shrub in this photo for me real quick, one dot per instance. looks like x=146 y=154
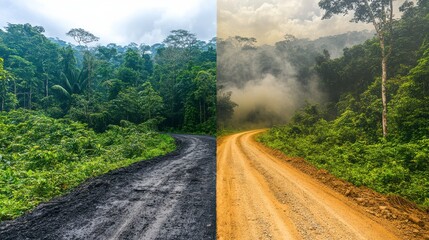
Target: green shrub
x=341 y=147
x=41 y=157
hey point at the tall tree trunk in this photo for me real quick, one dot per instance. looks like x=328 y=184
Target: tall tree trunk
x=29 y=99
x=46 y=80
x=47 y=87
x=88 y=84
x=383 y=85
x=2 y=104
x=381 y=30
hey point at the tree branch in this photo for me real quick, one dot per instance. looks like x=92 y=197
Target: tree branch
x=374 y=22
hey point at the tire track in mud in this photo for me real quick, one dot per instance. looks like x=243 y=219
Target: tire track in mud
x=170 y=197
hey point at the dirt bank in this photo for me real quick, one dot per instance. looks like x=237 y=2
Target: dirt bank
x=261 y=196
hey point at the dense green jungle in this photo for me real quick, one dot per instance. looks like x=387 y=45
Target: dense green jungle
x=69 y=112
x=344 y=134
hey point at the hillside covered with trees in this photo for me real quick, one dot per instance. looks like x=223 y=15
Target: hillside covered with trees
x=253 y=79
x=345 y=135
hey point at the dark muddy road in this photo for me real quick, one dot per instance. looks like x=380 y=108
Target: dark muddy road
x=171 y=197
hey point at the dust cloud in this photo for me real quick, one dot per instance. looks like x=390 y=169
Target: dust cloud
x=269 y=83
x=269 y=101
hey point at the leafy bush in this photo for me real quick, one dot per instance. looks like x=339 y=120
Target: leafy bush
x=41 y=157
x=341 y=147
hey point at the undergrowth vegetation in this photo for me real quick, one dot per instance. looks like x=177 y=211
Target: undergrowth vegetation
x=42 y=157
x=345 y=136
x=387 y=167
x=351 y=145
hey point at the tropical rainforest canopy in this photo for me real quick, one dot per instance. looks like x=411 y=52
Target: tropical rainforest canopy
x=173 y=81
x=69 y=113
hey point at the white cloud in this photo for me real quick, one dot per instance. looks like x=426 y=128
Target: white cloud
x=269 y=21
x=114 y=21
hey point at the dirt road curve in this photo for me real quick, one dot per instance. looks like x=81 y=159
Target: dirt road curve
x=262 y=197
x=170 y=197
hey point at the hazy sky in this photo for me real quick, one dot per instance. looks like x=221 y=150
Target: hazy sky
x=124 y=21
x=270 y=20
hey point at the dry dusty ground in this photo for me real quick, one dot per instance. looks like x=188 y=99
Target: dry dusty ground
x=262 y=194
x=171 y=197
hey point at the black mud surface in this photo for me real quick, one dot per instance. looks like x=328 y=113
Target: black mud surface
x=171 y=197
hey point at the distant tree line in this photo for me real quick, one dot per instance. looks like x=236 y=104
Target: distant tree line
x=172 y=83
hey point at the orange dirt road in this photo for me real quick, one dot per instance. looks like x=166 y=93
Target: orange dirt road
x=262 y=197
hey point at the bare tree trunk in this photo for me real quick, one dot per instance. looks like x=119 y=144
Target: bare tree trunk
x=29 y=99
x=46 y=80
x=89 y=74
x=383 y=86
x=2 y=104
x=381 y=33
x=47 y=87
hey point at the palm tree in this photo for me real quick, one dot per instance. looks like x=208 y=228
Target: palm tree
x=73 y=83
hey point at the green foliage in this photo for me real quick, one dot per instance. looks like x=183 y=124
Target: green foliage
x=106 y=84
x=42 y=157
x=356 y=69
x=139 y=88
x=151 y=102
x=348 y=144
x=224 y=107
x=8 y=100
x=387 y=167
x=200 y=106
x=82 y=36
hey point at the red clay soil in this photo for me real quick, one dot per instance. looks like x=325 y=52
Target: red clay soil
x=412 y=222
x=263 y=194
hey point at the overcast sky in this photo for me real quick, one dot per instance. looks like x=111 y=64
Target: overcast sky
x=122 y=22
x=270 y=20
